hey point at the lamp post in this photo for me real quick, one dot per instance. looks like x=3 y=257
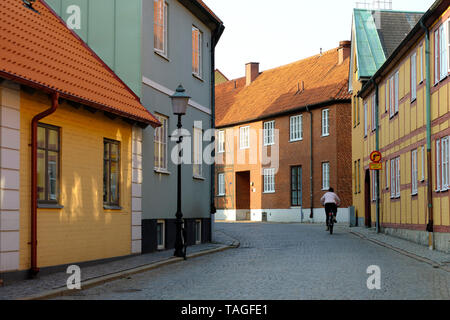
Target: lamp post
x=179 y=104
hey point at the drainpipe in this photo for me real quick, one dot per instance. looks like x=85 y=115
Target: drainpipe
x=34 y=123
x=377 y=147
x=311 y=215
x=430 y=225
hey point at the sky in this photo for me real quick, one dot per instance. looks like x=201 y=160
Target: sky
x=275 y=33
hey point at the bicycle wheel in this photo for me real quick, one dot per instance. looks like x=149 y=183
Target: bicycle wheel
x=331 y=226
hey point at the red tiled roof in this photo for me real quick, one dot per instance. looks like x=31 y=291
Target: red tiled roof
x=40 y=51
x=276 y=90
x=209 y=10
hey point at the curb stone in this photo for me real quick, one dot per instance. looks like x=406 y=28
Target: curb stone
x=122 y=274
x=434 y=264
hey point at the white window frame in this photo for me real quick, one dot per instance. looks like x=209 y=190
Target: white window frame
x=395 y=178
x=163 y=230
x=387 y=97
x=421 y=63
x=198 y=231
x=391 y=97
x=244 y=137
x=386 y=171
x=373 y=120
x=396 y=97
x=325 y=176
x=365 y=119
x=221 y=185
x=197 y=72
x=197 y=163
x=392 y=184
x=443 y=52
x=414 y=77
x=443 y=164
x=374 y=185
x=269 y=180
x=438 y=165
x=325 y=122
x=436 y=56
x=220 y=141
x=423 y=164
x=164 y=9
x=296 y=128
x=161 y=137
x=414 y=173
x=269 y=133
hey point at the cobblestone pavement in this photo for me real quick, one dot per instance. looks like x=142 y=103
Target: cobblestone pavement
x=283 y=261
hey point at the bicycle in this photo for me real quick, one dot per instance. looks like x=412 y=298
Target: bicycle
x=331 y=222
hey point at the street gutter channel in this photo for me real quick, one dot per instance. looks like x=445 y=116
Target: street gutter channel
x=93 y=282
x=434 y=264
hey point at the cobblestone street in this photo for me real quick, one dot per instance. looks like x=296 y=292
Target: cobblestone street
x=284 y=261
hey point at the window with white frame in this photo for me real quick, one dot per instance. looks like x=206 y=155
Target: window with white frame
x=413 y=77
x=442 y=164
x=269 y=180
x=391 y=97
x=414 y=172
x=396 y=95
x=197 y=52
x=395 y=177
x=441 y=43
x=160 y=234
x=296 y=128
x=386 y=173
x=160 y=26
x=365 y=119
x=244 y=137
x=423 y=165
x=198 y=152
x=325 y=175
x=386 y=96
x=325 y=122
x=374 y=185
x=374 y=113
x=160 y=144
x=436 y=56
x=221 y=184
x=220 y=141
x=269 y=133
x=421 y=63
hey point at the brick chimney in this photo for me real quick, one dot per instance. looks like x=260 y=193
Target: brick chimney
x=251 y=72
x=344 y=51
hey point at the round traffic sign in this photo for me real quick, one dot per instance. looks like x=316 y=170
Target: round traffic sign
x=375 y=156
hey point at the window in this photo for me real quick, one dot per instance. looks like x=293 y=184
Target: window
x=198 y=153
x=269 y=180
x=354 y=110
x=296 y=128
x=198 y=231
x=197 y=52
x=160 y=234
x=325 y=122
x=48 y=163
x=160 y=26
x=374 y=185
x=414 y=172
x=111 y=172
x=244 y=137
x=160 y=141
x=436 y=56
x=221 y=184
x=413 y=77
x=395 y=177
x=396 y=76
x=440 y=54
x=423 y=165
x=359 y=175
x=374 y=113
x=421 y=63
x=365 y=119
x=355 y=176
x=325 y=176
x=296 y=186
x=391 y=97
x=269 y=133
x=386 y=171
x=442 y=164
x=220 y=141
x=386 y=96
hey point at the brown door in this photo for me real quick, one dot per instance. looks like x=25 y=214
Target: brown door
x=243 y=190
x=368 y=218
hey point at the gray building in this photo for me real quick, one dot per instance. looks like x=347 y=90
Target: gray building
x=154 y=46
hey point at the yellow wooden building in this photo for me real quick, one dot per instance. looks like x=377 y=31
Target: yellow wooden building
x=71 y=148
x=405 y=115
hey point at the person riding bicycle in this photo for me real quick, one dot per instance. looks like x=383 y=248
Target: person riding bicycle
x=331 y=201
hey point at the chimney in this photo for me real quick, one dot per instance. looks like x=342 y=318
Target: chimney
x=343 y=51
x=251 y=72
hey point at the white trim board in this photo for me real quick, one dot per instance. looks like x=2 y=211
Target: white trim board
x=169 y=92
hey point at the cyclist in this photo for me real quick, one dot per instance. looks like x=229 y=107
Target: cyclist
x=331 y=201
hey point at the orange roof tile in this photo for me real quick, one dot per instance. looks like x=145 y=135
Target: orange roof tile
x=209 y=10
x=276 y=90
x=37 y=49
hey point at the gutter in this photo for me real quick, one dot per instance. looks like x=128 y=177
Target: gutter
x=377 y=147
x=428 y=123
x=34 y=123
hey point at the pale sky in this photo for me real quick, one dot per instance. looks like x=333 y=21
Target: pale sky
x=275 y=33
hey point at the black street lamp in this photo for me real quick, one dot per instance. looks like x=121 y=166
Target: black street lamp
x=179 y=104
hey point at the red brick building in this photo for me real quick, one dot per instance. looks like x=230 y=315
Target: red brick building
x=265 y=169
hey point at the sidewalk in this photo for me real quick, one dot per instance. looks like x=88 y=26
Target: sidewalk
x=437 y=259
x=55 y=284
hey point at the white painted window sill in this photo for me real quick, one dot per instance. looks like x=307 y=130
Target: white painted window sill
x=162 y=55
x=162 y=171
x=198 y=178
